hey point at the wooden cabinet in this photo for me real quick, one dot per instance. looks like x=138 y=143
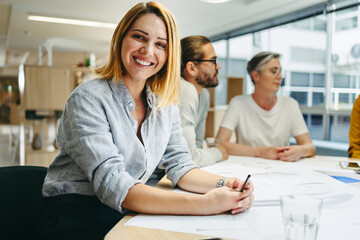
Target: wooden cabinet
x=47 y=88
x=216 y=113
x=45 y=92
x=235 y=87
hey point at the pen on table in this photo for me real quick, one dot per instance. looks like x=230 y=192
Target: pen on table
x=245 y=183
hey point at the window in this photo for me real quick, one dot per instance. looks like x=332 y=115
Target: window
x=301 y=97
x=346 y=19
x=315 y=125
x=339 y=128
x=341 y=81
x=318 y=99
x=237 y=67
x=320 y=24
x=318 y=80
x=221 y=89
x=300 y=79
x=345 y=24
x=302 y=24
x=304 y=51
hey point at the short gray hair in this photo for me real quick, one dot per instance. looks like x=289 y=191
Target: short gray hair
x=258 y=62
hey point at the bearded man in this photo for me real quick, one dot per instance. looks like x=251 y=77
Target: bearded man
x=199 y=70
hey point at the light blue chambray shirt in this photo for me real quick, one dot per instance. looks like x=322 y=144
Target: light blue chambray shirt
x=100 y=153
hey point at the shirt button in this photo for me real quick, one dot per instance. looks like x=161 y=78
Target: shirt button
x=131 y=104
x=121 y=104
x=135 y=126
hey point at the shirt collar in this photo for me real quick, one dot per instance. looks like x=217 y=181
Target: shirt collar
x=122 y=94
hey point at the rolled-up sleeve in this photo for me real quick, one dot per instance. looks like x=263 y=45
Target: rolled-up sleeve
x=86 y=137
x=176 y=160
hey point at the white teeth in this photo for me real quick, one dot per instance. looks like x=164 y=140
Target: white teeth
x=142 y=62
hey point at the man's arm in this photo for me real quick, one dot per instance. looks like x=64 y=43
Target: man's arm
x=189 y=110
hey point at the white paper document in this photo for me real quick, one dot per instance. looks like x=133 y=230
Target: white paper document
x=271 y=179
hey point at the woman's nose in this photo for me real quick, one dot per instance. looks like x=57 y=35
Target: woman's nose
x=147 y=49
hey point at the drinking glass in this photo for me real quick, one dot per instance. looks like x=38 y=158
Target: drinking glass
x=301 y=216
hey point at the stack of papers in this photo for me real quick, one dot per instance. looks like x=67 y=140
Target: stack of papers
x=271 y=179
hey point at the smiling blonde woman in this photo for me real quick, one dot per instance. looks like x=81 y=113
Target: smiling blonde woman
x=117 y=129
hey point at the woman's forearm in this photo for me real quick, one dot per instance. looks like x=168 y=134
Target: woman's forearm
x=308 y=150
x=241 y=150
x=145 y=199
x=199 y=181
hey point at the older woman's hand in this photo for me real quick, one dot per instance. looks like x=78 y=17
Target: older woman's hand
x=290 y=153
x=268 y=152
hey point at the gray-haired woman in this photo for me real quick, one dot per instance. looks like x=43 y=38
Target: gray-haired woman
x=264 y=122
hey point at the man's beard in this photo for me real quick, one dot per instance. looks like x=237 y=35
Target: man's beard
x=208 y=80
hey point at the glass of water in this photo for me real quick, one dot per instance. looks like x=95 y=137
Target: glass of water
x=301 y=216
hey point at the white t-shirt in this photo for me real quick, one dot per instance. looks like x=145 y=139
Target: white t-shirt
x=255 y=126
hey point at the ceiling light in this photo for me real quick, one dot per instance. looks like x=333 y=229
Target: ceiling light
x=72 y=21
x=215 y=1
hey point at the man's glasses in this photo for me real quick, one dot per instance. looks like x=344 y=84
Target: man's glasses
x=205 y=60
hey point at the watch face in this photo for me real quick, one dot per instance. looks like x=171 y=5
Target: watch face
x=220 y=183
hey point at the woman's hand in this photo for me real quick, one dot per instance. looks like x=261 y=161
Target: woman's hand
x=268 y=152
x=290 y=153
x=237 y=184
x=219 y=200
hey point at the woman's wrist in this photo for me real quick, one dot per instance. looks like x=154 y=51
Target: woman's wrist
x=220 y=182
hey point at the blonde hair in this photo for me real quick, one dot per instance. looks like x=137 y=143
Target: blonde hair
x=164 y=83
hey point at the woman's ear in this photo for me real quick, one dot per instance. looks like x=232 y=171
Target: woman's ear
x=255 y=75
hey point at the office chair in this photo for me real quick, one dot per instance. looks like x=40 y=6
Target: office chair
x=20 y=201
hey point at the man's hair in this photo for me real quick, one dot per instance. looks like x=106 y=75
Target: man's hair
x=258 y=62
x=164 y=83
x=192 y=49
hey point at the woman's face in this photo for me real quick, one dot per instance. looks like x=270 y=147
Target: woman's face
x=270 y=76
x=144 y=48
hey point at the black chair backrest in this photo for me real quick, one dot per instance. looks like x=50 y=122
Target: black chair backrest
x=21 y=201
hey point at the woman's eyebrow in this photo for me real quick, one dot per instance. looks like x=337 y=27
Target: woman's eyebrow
x=139 y=30
x=147 y=34
x=162 y=38
x=275 y=68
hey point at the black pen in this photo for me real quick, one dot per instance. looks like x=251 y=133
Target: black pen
x=246 y=181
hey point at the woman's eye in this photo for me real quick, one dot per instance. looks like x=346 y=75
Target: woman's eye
x=138 y=37
x=162 y=45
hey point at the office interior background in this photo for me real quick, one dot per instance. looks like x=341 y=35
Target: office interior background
x=320 y=60
x=319 y=42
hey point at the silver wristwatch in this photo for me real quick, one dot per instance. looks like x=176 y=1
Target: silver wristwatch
x=220 y=183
